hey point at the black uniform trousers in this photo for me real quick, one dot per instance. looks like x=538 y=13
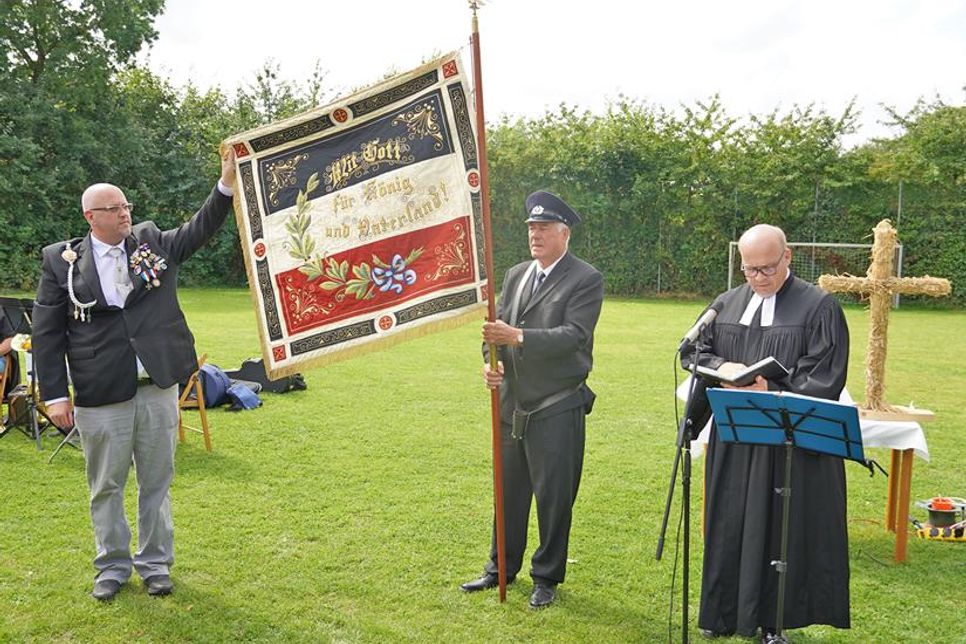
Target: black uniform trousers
x=545 y=464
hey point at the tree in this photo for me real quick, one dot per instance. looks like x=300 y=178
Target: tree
x=927 y=162
x=271 y=98
x=63 y=124
x=44 y=39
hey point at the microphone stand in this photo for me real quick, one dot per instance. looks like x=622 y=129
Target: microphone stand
x=685 y=430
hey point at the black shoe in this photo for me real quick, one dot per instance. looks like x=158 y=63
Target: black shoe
x=543 y=595
x=711 y=635
x=159 y=585
x=487 y=581
x=105 y=589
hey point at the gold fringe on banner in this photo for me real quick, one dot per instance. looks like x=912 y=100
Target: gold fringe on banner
x=385 y=342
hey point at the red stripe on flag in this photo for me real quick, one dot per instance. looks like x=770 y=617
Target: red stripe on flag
x=376 y=277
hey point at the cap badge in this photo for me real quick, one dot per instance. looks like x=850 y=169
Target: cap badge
x=536 y=210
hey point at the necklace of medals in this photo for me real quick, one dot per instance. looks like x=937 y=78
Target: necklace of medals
x=81 y=309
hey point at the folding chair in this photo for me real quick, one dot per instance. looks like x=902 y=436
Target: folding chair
x=4 y=374
x=196 y=401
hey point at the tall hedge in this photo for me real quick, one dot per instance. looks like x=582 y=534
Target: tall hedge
x=662 y=192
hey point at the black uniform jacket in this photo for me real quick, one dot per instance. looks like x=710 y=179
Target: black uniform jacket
x=558 y=329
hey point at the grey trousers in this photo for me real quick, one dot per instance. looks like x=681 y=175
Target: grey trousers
x=143 y=429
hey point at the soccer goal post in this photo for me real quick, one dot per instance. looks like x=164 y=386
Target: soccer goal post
x=812 y=260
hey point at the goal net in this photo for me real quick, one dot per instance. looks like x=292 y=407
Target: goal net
x=812 y=260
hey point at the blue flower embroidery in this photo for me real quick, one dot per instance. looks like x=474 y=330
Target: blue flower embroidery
x=393 y=277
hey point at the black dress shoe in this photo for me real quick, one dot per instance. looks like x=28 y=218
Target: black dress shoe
x=711 y=635
x=543 y=595
x=159 y=585
x=487 y=581
x=105 y=589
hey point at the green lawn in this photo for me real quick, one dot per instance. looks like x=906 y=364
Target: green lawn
x=351 y=511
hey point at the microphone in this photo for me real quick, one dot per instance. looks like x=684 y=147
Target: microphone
x=700 y=325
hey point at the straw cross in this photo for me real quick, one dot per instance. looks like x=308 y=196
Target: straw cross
x=880 y=284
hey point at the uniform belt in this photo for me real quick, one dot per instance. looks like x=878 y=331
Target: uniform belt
x=553 y=400
x=145 y=381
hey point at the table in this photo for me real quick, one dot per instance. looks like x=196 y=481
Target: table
x=903 y=438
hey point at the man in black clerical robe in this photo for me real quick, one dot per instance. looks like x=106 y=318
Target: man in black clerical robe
x=774 y=314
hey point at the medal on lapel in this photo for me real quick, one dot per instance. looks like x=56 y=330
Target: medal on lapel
x=148 y=265
x=81 y=309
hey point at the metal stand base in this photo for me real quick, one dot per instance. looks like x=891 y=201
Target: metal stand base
x=67 y=441
x=685 y=431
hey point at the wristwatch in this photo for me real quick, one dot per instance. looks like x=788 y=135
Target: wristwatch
x=520 y=338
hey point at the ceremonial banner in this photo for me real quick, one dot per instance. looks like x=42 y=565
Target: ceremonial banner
x=360 y=222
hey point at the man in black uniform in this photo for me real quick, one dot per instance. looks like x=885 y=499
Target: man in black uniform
x=545 y=333
x=774 y=314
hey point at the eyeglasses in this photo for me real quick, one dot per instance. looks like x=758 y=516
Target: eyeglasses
x=767 y=271
x=116 y=210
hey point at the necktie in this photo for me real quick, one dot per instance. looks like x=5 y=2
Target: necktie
x=526 y=296
x=538 y=282
x=122 y=280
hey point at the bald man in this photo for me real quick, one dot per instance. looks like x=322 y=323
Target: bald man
x=107 y=315
x=774 y=314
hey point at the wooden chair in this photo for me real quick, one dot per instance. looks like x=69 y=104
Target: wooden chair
x=187 y=401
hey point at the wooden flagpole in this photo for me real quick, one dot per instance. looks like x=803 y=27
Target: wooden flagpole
x=490 y=303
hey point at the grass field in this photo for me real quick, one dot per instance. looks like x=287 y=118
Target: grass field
x=351 y=511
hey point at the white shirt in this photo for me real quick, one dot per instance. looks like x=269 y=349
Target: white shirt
x=105 y=269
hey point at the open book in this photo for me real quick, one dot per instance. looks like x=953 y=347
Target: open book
x=769 y=369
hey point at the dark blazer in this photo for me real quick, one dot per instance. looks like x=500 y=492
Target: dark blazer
x=558 y=333
x=101 y=353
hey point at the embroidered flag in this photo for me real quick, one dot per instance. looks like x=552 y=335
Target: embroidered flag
x=361 y=221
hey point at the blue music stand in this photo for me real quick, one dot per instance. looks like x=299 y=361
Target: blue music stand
x=792 y=420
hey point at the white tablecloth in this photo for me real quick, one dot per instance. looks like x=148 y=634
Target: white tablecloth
x=892 y=434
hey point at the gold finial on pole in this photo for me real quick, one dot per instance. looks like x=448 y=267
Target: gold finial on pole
x=474 y=5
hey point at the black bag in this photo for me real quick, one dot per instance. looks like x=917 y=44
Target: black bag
x=254 y=371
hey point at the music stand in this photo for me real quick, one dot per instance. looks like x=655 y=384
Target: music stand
x=18 y=312
x=792 y=420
